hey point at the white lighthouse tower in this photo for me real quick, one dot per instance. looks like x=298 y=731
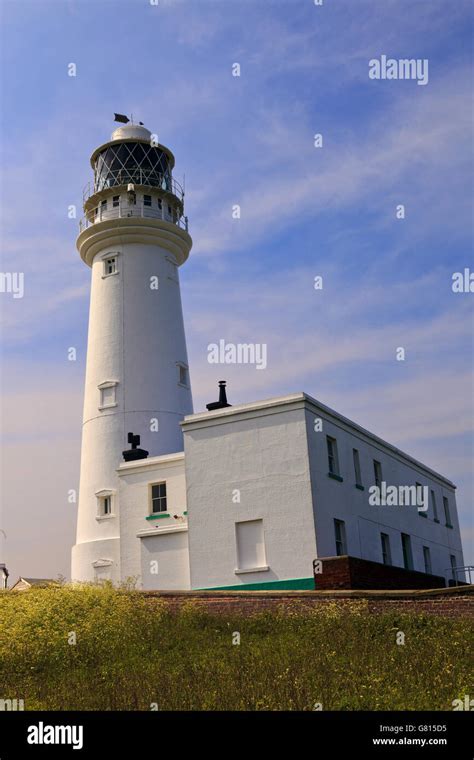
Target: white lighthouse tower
x=134 y=237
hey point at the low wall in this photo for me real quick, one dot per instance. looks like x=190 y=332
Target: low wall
x=454 y=602
x=353 y=573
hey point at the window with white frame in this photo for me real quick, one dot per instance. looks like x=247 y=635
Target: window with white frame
x=158 y=498
x=183 y=375
x=340 y=536
x=105 y=503
x=110 y=265
x=250 y=542
x=147 y=200
x=116 y=201
x=333 y=459
x=108 y=394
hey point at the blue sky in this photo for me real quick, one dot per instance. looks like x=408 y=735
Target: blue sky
x=245 y=140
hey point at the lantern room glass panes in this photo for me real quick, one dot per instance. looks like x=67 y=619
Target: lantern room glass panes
x=137 y=163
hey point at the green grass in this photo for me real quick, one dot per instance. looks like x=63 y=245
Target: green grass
x=131 y=652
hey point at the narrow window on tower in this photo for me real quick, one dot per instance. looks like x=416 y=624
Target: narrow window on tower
x=160 y=204
x=108 y=394
x=110 y=266
x=103 y=205
x=158 y=498
x=116 y=201
x=147 y=200
x=105 y=501
x=183 y=375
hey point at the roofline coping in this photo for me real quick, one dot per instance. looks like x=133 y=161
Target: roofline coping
x=298 y=400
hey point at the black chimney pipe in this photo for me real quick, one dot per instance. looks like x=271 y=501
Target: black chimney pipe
x=131 y=455
x=222 y=403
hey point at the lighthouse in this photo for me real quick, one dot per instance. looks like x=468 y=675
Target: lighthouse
x=134 y=237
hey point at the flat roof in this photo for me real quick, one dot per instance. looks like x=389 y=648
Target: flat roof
x=299 y=399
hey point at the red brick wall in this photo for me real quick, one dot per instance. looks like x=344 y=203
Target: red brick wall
x=350 y=572
x=455 y=602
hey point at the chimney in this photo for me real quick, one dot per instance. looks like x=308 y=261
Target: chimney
x=131 y=455
x=222 y=403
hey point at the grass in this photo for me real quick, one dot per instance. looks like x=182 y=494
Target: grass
x=131 y=653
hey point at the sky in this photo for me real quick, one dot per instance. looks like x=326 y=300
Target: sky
x=306 y=211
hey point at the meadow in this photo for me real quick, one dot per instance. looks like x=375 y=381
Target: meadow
x=90 y=647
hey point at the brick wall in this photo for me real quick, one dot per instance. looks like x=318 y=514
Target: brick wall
x=453 y=602
x=350 y=572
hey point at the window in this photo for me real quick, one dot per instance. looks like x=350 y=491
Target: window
x=340 y=535
x=407 y=555
x=386 y=553
x=108 y=395
x=103 y=205
x=427 y=559
x=356 y=459
x=419 y=492
x=447 y=513
x=147 y=200
x=183 y=375
x=110 y=266
x=169 y=210
x=116 y=201
x=333 y=460
x=434 y=505
x=158 y=498
x=378 y=473
x=104 y=503
x=454 y=572
x=250 y=545
x=160 y=204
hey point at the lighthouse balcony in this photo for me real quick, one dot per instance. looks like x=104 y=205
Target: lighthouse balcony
x=123 y=210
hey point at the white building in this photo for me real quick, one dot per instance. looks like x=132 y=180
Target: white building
x=238 y=496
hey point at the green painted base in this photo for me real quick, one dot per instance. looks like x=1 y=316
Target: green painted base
x=157 y=516
x=292 y=584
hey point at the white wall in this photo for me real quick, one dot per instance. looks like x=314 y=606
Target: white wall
x=84 y=555
x=271 y=452
x=170 y=550
x=165 y=560
x=136 y=337
x=263 y=455
x=363 y=522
